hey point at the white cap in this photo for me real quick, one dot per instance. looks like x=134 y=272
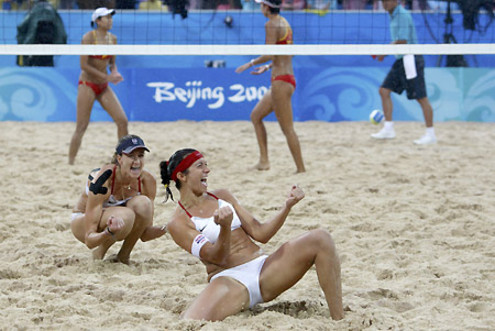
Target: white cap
x=100 y=12
x=270 y=3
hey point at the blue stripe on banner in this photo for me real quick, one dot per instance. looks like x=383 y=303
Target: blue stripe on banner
x=333 y=94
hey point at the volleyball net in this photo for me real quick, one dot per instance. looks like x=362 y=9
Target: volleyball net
x=216 y=49
x=242 y=32
x=177 y=68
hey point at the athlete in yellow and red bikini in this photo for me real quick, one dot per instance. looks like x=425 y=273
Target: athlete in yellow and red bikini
x=94 y=79
x=278 y=98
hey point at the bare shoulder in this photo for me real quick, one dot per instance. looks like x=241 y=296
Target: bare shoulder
x=113 y=38
x=106 y=167
x=226 y=195
x=99 y=182
x=148 y=176
x=175 y=221
x=88 y=38
x=282 y=23
x=272 y=27
x=96 y=173
x=270 y=24
x=178 y=223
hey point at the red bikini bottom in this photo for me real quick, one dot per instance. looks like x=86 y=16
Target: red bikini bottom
x=286 y=78
x=97 y=88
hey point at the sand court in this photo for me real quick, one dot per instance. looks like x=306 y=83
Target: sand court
x=414 y=227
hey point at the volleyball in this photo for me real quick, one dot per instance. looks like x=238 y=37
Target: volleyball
x=376 y=116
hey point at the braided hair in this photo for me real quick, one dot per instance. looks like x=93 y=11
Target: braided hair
x=167 y=168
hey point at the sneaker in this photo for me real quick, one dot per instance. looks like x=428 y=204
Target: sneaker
x=384 y=134
x=426 y=140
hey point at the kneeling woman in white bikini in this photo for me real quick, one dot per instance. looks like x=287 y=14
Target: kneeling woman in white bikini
x=117 y=203
x=218 y=230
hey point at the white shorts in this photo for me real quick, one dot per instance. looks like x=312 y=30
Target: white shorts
x=73 y=216
x=248 y=274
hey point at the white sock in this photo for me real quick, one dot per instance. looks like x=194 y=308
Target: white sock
x=388 y=125
x=430 y=132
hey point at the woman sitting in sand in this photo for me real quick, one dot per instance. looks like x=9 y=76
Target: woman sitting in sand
x=217 y=229
x=117 y=203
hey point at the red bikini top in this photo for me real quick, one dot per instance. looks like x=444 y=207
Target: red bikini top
x=287 y=38
x=99 y=57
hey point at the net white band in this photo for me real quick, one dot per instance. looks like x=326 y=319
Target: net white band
x=327 y=49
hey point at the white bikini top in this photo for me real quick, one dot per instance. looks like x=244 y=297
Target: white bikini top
x=208 y=227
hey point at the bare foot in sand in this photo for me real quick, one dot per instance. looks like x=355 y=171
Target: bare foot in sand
x=123 y=259
x=114 y=258
x=99 y=252
x=262 y=166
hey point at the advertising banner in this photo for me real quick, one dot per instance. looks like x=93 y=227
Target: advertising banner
x=219 y=94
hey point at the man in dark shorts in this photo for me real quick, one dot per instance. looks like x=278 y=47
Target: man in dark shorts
x=407 y=73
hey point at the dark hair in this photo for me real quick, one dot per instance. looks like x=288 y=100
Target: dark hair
x=168 y=167
x=93 y=23
x=274 y=10
x=276 y=3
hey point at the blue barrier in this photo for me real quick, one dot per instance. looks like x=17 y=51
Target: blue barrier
x=219 y=94
x=169 y=88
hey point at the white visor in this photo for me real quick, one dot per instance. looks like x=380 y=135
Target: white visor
x=100 y=12
x=268 y=3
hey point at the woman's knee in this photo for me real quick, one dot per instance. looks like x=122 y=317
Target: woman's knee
x=122 y=123
x=256 y=117
x=78 y=229
x=142 y=207
x=142 y=203
x=322 y=239
x=81 y=128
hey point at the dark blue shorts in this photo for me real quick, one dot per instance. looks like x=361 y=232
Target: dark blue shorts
x=397 y=82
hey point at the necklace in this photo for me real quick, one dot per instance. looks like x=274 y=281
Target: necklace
x=128 y=187
x=125 y=191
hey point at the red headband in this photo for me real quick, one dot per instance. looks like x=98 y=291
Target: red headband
x=186 y=163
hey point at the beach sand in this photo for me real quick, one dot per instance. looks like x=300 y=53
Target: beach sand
x=414 y=227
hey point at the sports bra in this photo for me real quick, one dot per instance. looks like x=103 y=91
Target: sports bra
x=207 y=226
x=112 y=201
x=287 y=38
x=99 y=57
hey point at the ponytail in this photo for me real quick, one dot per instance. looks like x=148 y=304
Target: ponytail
x=166 y=180
x=167 y=168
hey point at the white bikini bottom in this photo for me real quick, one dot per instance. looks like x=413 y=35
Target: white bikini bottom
x=248 y=274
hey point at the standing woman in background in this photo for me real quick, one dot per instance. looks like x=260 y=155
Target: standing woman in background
x=93 y=81
x=278 y=98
